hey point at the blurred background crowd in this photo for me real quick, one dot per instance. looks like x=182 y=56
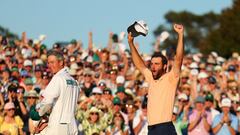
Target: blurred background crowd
x=113 y=97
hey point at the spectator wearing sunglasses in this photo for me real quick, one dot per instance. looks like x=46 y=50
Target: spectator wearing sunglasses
x=11 y=123
x=93 y=122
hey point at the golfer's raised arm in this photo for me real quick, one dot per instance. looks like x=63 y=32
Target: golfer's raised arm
x=137 y=60
x=180 y=49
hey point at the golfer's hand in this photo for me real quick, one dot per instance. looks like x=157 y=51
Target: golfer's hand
x=130 y=38
x=178 y=28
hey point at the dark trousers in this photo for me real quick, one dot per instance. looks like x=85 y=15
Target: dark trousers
x=166 y=128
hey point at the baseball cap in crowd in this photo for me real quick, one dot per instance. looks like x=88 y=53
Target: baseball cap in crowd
x=27 y=63
x=183 y=96
x=101 y=83
x=107 y=91
x=138 y=28
x=199 y=99
x=96 y=90
x=38 y=68
x=226 y=102
x=231 y=68
x=38 y=62
x=9 y=105
x=14 y=69
x=193 y=65
x=129 y=92
x=116 y=101
x=120 y=79
x=28 y=81
x=24 y=73
x=209 y=97
x=120 y=89
x=202 y=75
x=12 y=88
x=87 y=71
x=32 y=93
x=212 y=80
x=113 y=57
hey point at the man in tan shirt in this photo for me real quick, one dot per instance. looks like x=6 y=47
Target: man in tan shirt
x=162 y=85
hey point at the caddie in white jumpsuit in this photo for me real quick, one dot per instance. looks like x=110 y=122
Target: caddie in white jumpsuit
x=61 y=96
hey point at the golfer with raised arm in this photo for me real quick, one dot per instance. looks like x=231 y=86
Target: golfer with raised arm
x=162 y=85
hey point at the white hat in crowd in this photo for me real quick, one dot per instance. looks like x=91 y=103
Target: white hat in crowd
x=202 y=75
x=27 y=63
x=226 y=102
x=120 y=79
x=97 y=90
x=9 y=105
x=182 y=96
x=113 y=58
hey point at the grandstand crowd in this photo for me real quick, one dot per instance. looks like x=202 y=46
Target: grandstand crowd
x=113 y=96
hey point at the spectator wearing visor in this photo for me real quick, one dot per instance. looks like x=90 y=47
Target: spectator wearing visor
x=225 y=123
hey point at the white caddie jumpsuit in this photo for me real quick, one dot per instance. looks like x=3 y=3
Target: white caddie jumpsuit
x=62 y=94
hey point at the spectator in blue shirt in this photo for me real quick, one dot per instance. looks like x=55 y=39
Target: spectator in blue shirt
x=225 y=123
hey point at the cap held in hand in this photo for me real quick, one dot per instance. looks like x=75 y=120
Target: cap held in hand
x=138 y=28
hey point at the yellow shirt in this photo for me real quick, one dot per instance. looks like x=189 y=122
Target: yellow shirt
x=13 y=128
x=161 y=96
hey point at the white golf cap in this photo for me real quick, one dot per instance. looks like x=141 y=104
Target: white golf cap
x=226 y=102
x=27 y=63
x=193 y=65
x=202 y=75
x=138 y=28
x=141 y=27
x=120 y=79
x=97 y=90
x=183 y=96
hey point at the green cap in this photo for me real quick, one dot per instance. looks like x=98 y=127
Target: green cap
x=116 y=101
x=199 y=99
x=120 y=89
x=14 y=69
x=209 y=97
x=28 y=81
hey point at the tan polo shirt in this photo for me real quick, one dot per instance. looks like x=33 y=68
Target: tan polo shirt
x=161 y=96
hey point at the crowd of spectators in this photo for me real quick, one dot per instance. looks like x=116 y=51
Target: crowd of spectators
x=113 y=96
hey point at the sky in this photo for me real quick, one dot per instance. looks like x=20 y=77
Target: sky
x=64 y=20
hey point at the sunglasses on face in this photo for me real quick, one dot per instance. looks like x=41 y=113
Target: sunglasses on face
x=12 y=109
x=93 y=113
x=87 y=75
x=31 y=98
